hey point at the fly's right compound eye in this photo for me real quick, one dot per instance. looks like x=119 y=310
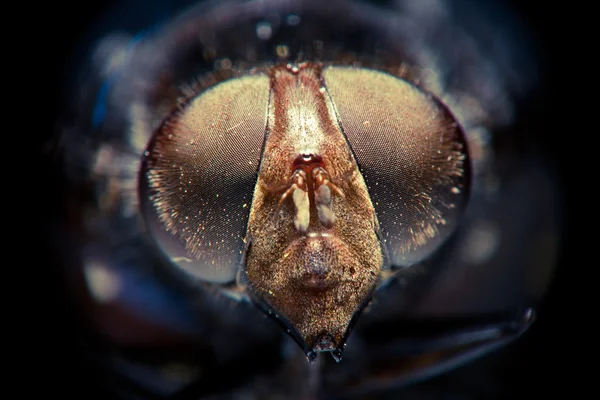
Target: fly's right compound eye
x=198 y=176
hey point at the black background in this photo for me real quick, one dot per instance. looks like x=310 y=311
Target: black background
x=542 y=362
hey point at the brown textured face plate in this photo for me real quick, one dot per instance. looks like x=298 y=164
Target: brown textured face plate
x=317 y=278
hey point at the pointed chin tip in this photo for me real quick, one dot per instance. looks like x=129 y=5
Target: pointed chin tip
x=324 y=342
x=337 y=355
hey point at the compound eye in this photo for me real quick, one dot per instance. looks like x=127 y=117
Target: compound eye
x=412 y=155
x=198 y=175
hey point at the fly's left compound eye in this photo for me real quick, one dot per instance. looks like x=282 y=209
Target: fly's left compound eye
x=412 y=155
x=198 y=177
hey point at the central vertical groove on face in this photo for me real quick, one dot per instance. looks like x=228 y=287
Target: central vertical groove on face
x=314 y=256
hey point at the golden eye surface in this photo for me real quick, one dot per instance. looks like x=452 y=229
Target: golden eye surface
x=197 y=180
x=412 y=154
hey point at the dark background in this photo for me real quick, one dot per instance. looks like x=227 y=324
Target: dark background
x=542 y=362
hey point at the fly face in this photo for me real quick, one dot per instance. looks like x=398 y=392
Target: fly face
x=314 y=254
x=310 y=243
x=343 y=169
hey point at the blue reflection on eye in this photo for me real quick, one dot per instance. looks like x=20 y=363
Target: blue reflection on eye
x=99 y=110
